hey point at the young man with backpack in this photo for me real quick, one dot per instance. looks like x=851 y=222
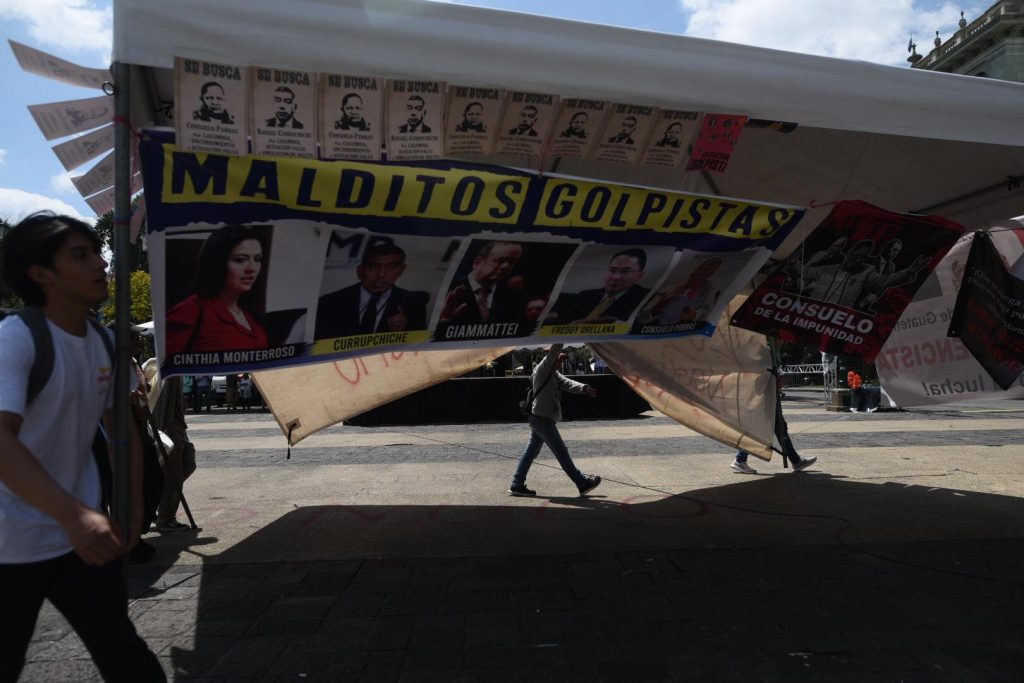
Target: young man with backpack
x=55 y=543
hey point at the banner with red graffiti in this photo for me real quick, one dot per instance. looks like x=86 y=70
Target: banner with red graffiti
x=919 y=364
x=989 y=314
x=843 y=290
x=718 y=386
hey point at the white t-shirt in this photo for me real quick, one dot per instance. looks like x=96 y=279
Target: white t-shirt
x=58 y=428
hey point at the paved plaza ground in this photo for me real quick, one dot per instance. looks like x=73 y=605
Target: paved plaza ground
x=394 y=554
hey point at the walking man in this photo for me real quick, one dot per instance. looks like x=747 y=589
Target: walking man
x=545 y=412
x=55 y=544
x=740 y=466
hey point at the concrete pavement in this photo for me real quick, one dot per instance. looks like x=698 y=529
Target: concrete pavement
x=394 y=554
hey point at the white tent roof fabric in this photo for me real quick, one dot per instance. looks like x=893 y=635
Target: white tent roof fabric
x=904 y=139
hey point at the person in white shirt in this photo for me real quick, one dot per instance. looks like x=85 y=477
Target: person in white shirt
x=55 y=543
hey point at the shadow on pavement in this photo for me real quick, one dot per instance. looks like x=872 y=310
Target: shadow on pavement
x=653 y=588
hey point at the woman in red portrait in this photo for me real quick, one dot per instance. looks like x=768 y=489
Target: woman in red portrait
x=221 y=314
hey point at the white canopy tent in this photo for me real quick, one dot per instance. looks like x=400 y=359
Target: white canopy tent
x=903 y=139
x=906 y=140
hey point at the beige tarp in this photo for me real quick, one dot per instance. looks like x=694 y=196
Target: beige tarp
x=716 y=386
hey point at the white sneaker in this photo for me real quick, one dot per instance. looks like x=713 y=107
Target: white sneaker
x=854 y=410
x=805 y=463
x=742 y=467
x=871 y=410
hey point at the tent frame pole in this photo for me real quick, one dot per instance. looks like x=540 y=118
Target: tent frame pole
x=122 y=499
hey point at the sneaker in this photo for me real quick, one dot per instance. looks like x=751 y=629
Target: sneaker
x=805 y=463
x=742 y=467
x=170 y=527
x=591 y=482
x=520 y=490
x=871 y=410
x=854 y=410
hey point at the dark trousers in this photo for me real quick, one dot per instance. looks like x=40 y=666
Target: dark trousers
x=782 y=435
x=94 y=600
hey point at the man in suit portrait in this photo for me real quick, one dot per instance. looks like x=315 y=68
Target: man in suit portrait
x=616 y=301
x=625 y=134
x=374 y=304
x=351 y=114
x=211 y=107
x=527 y=117
x=416 y=112
x=483 y=294
x=284 y=110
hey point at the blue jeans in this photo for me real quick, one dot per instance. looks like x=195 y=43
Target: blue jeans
x=545 y=431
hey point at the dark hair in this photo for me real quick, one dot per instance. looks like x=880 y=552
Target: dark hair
x=207 y=86
x=282 y=88
x=472 y=104
x=349 y=96
x=33 y=242
x=530 y=106
x=639 y=254
x=213 y=259
x=485 y=250
x=629 y=118
x=577 y=115
x=417 y=97
x=382 y=249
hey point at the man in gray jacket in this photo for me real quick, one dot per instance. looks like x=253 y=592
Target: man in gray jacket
x=545 y=412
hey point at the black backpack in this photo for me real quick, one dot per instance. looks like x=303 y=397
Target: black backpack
x=39 y=375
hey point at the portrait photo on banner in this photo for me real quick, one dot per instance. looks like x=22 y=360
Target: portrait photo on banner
x=227 y=295
x=696 y=291
x=501 y=287
x=378 y=283
x=607 y=283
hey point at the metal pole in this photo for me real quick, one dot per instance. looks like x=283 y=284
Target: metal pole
x=122 y=500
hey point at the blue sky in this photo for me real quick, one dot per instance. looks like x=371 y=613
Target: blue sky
x=31 y=177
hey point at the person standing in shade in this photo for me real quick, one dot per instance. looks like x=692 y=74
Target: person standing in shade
x=545 y=412
x=739 y=464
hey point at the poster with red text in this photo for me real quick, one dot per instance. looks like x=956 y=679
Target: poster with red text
x=715 y=143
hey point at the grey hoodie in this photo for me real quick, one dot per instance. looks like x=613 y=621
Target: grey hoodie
x=547 y=403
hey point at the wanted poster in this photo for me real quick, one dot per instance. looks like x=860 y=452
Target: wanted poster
x=415 y=112
x=283 y=110
x=577 y=127
x=57 y=119
x=670 y=141
x=351 y=116
x=84 y=148
x=625 y=133
x=525 y=124
x=472 y=121
x=44 y=64
x=211 y=106
x=99 y=177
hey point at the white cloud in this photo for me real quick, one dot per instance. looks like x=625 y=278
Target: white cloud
x=75 y=25
x=870 y=30
x=3 y=157
x=61 y=183
x=16 y=204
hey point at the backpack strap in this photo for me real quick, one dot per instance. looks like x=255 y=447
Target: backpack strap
x=107 y=341
x=42 y=366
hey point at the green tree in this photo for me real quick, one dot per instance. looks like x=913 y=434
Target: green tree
x=141 y=298
x=138 y=258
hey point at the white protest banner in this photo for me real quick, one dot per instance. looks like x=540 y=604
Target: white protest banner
x=84 y=148
x=919 y=364
x=99 y=177
x=284 y=105
x=415 y=118
x=211 y=106
x=44 y=64
x=57 y=119
x=351 y=117
x=717 y=386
